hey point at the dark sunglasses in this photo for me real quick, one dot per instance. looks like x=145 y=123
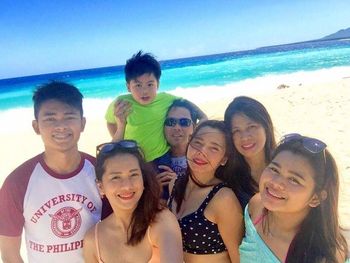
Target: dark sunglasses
x=311 y=144
x=183 y=122
x=108 y=147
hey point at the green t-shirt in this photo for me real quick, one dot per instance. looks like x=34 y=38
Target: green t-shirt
x=145 y=123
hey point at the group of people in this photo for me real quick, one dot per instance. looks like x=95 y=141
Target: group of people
x=171 y=186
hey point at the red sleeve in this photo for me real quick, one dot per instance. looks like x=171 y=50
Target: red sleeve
x=90 y=158
x=12 y=195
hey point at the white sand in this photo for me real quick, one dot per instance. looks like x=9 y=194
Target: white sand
x=320 y=110
x=314 y=106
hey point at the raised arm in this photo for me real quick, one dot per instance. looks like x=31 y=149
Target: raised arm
x=165 y=234
x=10 y=248
x=119 y=131
x=201 y=115
x=112 y=128
x=121 y=109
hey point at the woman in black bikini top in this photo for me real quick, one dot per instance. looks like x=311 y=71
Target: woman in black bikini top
x=208 y=211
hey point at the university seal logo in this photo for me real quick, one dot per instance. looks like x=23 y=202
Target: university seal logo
x=66 y=222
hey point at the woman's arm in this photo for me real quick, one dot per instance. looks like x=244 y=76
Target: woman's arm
x=229 y=218
x=165 y=234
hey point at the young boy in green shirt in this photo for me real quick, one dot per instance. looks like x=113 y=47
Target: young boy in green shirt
x=140 y=115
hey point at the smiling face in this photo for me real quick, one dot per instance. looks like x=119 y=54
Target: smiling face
x=206 y=151
x=59 y=125
x=248 y=137
x=144 y=88
x=287 y=184
x=178 y=136
x=122 y=182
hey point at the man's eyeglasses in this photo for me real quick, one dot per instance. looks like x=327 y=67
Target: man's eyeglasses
x=311 y=144
x=183 y=122
x=108 y=147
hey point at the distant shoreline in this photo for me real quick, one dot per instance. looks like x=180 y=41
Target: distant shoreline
x=44 y=76
x=308 y=41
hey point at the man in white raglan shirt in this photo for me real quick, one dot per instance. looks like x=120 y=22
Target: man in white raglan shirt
x=52 y=196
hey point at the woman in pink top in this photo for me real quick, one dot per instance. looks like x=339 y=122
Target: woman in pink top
x=139 y=229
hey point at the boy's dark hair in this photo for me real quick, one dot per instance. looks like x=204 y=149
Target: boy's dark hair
x=60 y=91
x=141 y=63
x=183 y=103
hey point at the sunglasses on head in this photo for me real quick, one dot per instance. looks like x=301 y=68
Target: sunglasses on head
x=108 y=147
x=183 y=122
x=311 y=144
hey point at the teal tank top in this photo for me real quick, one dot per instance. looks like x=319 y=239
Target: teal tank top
x=253 y=248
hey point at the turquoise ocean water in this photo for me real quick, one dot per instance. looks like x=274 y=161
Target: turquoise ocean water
x=214 y=70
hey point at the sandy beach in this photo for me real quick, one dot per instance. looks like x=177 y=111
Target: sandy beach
x=319 y=109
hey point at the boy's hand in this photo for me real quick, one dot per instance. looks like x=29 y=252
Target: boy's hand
x=122 y=109
x=166 y=176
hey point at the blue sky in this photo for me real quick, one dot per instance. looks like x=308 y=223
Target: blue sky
x=41 y=36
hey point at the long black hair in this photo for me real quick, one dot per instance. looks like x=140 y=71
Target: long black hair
x=319 y=237
x=148 y=205
x=223 y=172
x=256 y=111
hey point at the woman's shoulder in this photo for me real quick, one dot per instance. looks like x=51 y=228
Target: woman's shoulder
x=255 y=207
x=226 y=198
x=224 y=194
x=90 y=234
x=164 y=216
x=165 y=223
x=101 y=227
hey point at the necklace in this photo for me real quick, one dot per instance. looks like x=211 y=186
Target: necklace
x=198 y=183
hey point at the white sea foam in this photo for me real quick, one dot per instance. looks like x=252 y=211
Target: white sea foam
x=261 y=84
x=19 y=118
x=16 y=119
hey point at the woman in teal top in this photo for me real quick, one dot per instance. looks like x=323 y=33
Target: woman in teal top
x=294 y=218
